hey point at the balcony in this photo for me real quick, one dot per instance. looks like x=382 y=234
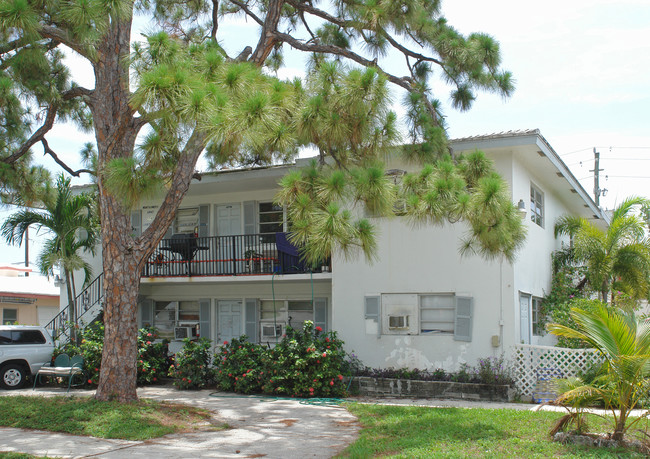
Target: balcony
x=185 y=255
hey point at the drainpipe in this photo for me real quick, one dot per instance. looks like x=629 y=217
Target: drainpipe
x=501 y=304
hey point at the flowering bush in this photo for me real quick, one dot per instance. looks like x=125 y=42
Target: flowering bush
x=306 y=363
x=240 y=366
x=152 y=357
x=191 y=367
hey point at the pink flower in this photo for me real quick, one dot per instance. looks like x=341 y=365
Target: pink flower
x=155 y=379
x=225 y=342
x=327 y=340
x=332 y=382
x=149 y=334
x=90 y=381
x=341 y=377
x=324 y=354
x=319 y=329
x=148 y=342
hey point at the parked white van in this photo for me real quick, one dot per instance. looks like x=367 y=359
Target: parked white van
x=24 y=349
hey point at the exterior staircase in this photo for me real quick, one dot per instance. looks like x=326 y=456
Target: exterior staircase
x=88 y=304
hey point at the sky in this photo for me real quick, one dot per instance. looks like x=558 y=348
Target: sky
x=582 y=76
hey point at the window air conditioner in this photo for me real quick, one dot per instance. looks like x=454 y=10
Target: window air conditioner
x=398 y=322
x=184 y=332
x=271 y=331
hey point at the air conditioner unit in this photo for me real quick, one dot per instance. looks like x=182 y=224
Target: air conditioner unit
x=184 y=332
x=271 y=331
x=398 y=322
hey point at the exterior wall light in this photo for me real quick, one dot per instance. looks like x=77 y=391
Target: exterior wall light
x=521 y=208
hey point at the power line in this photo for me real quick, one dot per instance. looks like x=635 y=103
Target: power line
x=577 y=151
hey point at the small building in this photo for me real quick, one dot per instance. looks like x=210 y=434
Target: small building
x=25 y=298
x=225 y=266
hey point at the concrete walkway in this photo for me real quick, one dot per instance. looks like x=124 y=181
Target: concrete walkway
x=260 y=428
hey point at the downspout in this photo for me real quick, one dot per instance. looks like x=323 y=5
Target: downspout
x=501 y=304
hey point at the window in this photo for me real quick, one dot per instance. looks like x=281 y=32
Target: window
x=536 y=304
x=437 y=314
x=187 y=221
x=536 y=206
x=271 y=220
x=9 y=316
x=169 y=314
x=420 y=314
x=164 y=318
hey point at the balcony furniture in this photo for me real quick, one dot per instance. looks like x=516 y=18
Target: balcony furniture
x=186 y=246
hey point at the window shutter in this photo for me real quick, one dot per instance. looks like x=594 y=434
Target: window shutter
x=320 y=313
x=204 y=318
x=463 y=322
x=372 y=312
x=136 y=223
x=146 y=313
x=250 y=217
x=252 y=307
x=203 y=220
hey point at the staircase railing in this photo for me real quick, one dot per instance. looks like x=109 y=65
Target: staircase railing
x=83 y=303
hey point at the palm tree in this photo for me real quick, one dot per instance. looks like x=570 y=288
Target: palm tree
x=617 y=259
x=623 y=339
x=70 y=219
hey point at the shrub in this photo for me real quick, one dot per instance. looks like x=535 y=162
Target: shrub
x=562 y=315
x=493 y=370
x=191 y=368
x=152 y=357
x=305 y=363
x=240 y=366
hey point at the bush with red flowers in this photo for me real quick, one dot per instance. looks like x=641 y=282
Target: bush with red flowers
x=306 y=363
x=191 y=368
x=152 y=357
x=240 y=366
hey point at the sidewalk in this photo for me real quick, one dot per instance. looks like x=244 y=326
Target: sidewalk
x=261 y=427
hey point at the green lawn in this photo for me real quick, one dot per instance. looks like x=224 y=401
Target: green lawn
x=86 y=416
x=420 y=432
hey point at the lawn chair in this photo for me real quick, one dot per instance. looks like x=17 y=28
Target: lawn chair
x=64 y=367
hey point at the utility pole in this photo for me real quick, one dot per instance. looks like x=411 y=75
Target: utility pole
x=596 y=172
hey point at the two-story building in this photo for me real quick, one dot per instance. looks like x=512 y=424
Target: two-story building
x=226 y=266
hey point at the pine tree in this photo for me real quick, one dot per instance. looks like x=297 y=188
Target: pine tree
x=190 y=97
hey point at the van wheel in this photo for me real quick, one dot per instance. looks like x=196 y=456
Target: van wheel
x=12 y=376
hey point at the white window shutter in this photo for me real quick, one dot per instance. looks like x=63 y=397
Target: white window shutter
x=251 y=324
x=146 y=313
x=204 y=318
x=204 y=212
x=136 y=223
x=372 y=312
x=463 y=322
x=250 y=217
x=320 y=313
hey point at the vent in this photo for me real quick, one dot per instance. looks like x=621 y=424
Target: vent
x=271 y=331
x=398 y=322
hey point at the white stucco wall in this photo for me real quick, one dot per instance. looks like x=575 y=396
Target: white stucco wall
x=420 y=261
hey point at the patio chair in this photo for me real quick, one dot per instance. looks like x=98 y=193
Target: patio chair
x=64 y=367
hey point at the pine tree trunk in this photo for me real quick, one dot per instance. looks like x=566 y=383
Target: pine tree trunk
x=118 y=376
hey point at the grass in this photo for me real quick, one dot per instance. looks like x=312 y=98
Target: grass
x=86 y=416
x=421 y=432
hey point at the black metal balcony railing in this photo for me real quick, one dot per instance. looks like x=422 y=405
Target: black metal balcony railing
x=185 y=255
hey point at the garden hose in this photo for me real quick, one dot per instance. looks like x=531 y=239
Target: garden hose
x=316 y=401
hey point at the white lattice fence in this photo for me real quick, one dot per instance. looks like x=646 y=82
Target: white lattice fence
x=532 y=361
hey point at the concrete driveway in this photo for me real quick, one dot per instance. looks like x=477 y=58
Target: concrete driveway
x=261 y=427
